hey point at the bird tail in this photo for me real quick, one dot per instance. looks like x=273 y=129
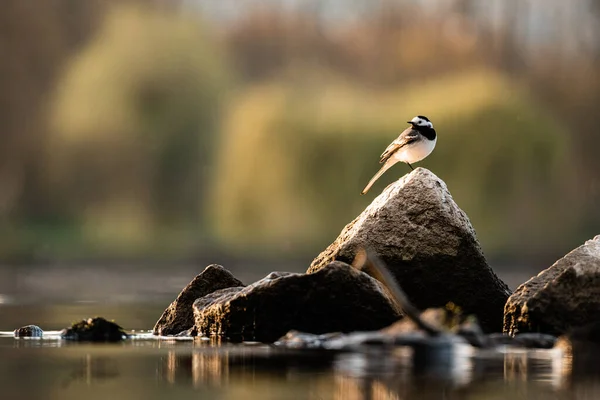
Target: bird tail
x=385 y=167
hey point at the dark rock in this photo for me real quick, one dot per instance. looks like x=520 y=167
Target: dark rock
x=535 y=340
x=358 y=341
x=500 y=339
x=589 y=333
x=564 y=296
x=32 y=331
x=524 y=340
x=581 y=339
x=302 y=340
x=336 y=298
x=179 y=316
x=335 y=341
x=95 y=329
x=428 y=244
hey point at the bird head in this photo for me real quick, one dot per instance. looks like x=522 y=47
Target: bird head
x=421 y=121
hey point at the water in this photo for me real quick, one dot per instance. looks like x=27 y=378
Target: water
x=148 y=368
x=157 y=369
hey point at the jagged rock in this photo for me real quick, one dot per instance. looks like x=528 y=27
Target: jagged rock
x=179 y=316
x=95 y=329
x=32 y=331
x=336 y=298
x=562 y=297
x=429 y=245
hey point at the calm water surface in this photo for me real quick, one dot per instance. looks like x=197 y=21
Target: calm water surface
x=148 y=368
x=158 y=369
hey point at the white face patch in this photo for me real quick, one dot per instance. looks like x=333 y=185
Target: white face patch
x=421 y=122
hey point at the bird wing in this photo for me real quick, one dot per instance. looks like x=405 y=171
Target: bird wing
x=406 y=137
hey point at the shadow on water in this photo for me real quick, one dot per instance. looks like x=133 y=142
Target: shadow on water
x=150 y=368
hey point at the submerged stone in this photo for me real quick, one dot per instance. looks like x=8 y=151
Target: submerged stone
x=95 y=329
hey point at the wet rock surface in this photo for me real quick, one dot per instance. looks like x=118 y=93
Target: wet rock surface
x=179 y=316
x=428 y=244
x=336 y=298
x=32 y=331
x=562 y=297
x=95 y=329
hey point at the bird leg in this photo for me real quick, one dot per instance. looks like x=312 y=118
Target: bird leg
x=411 y=167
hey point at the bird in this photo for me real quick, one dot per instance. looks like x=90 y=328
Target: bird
x=413 y=145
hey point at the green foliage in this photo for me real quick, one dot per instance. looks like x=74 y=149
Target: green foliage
x=134 y=118
x=291 y=170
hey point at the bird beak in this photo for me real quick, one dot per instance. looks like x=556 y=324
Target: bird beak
x=410 y=122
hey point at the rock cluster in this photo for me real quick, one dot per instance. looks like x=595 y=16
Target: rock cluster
x=337 y=298
x=414 y=227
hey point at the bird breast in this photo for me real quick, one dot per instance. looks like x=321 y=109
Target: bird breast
x=414 y=152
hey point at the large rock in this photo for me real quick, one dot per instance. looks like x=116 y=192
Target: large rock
x=428 y=243
x=336 y=298
x=562 y=297
x=179 y=316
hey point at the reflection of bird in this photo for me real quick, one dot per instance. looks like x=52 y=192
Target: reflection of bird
x=414 y=144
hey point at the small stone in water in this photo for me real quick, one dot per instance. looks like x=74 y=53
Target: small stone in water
x=95 y=329
x=32 y=331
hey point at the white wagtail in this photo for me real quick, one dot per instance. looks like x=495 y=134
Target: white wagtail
x=414 y=144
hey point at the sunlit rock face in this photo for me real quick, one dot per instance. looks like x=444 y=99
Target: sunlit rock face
x=562 y=297
x=178 y=317
x=429 y=245
x=337 y=298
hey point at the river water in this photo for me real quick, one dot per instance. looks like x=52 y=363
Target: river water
x=150 y=368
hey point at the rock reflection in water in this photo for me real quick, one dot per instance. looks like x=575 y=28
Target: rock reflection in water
x=427 y=371
x=580 y=368
x=93 y=369
x=443 y=370
x=203 y=368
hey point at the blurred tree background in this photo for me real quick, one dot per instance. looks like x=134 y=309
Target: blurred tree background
x=174 y=129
